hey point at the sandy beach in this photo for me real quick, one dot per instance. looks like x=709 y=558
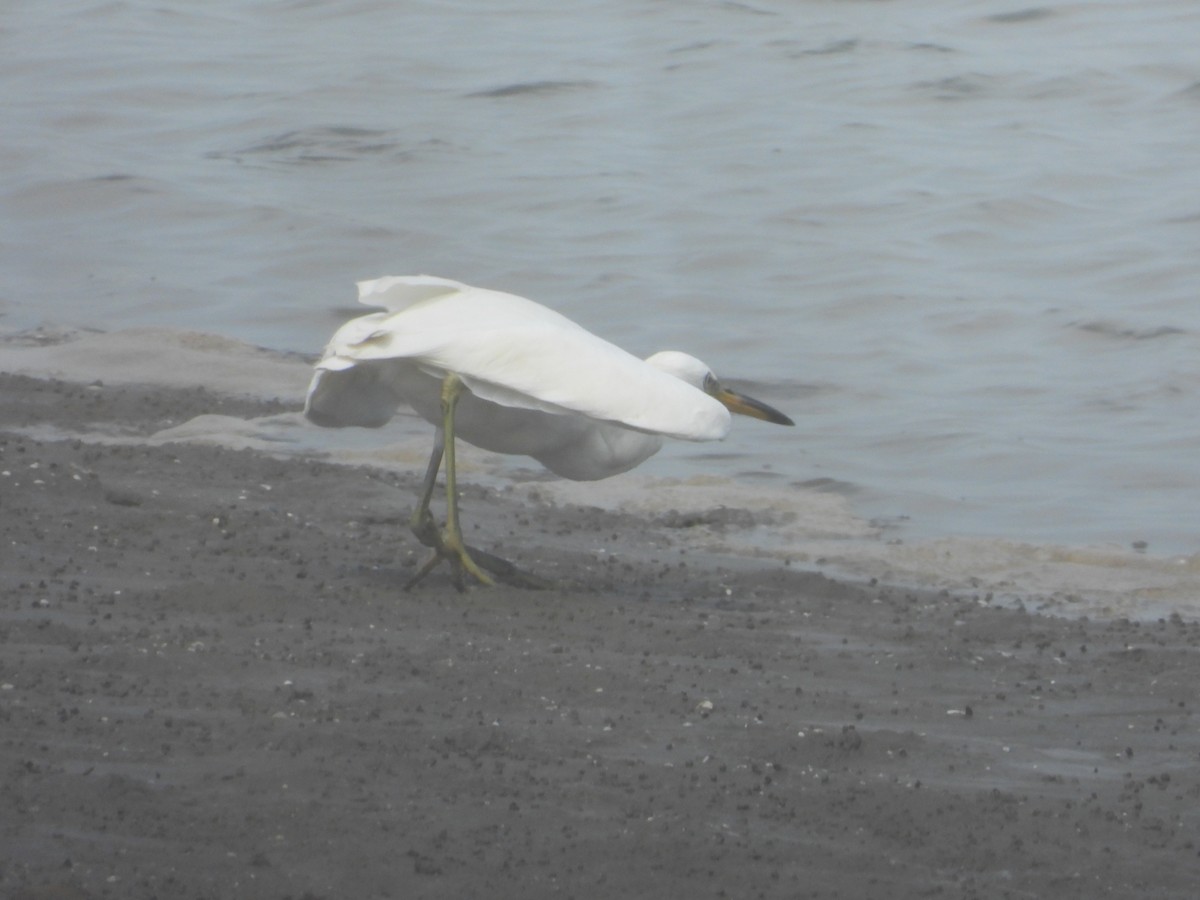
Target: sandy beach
x=213 y=686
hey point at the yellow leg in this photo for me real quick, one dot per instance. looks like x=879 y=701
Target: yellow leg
x=452 y=539
x=449 y=544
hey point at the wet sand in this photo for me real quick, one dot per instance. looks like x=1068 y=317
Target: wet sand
x=213 y=686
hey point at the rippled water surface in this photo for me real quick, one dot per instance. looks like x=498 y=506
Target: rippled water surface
x=957 y=241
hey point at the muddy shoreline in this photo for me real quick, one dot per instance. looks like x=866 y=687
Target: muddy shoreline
x=212 y=686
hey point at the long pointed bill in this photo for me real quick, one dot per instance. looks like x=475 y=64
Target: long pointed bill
x=748 y=406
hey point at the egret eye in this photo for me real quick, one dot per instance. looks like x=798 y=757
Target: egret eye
x=711 y=385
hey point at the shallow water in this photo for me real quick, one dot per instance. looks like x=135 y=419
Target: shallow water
x=957 y=242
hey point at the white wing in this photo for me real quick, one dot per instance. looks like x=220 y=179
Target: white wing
x=510 y=351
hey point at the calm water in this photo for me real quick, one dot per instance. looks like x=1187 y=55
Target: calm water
x=957 y=241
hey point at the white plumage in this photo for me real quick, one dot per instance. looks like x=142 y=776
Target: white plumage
x=533 y=382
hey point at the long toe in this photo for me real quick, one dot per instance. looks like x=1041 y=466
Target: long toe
x=463 y=564
x=447 y=549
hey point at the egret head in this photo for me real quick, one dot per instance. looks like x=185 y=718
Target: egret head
x=698 y=375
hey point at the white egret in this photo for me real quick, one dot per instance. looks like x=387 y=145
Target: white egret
x=511 y=376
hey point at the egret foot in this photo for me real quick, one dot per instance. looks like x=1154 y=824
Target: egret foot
x=446 y=546
x=467 y=559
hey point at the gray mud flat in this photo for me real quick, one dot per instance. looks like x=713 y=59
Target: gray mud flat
x=212 y=686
